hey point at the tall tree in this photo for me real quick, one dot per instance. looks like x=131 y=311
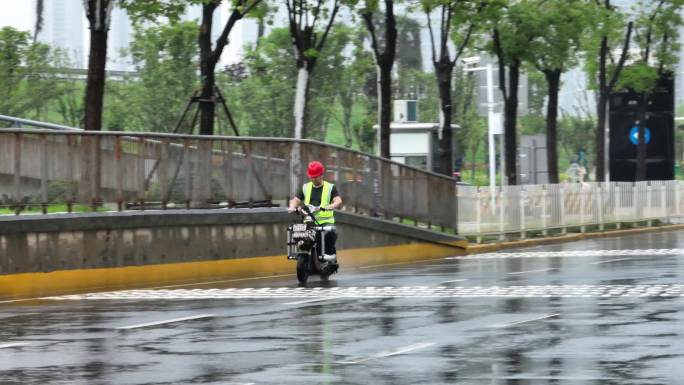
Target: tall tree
x=384 y=48
x=165 y=59
x=655 y=34
x=611 y=34
x=308 y=41
x=28 y=78
x=473 y=131
x=353 y=73
x=510 y=39
x=409 y=46
x=560 y=25
x=444 y=67
x=264 y=89
x=209 y=57
x=98 y=13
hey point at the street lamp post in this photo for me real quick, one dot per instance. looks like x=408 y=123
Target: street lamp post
x=492 y=121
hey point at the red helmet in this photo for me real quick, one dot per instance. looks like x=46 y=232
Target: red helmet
x=315 y=169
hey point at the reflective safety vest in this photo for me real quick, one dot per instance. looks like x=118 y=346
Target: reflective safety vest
x=321 y=216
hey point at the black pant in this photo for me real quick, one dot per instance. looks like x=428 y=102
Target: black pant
x=330 y=239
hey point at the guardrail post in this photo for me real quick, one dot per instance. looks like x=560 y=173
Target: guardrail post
x=521 y=204
x=71 y=191
x=616 y=206
x=635 y=204
x=96 y=180
x=478 y=215
x=664 y=212
x=599 y=203
x=44 y=173
x=456 y=209
x=676 y=198
x=141 y=172
x=583 y=204
x=188 y=173
x=163 y=172
x=501 y=213
x=17 y=172
x=544 y=194
x=649 y=198
x=561 y=191
x=119 y=173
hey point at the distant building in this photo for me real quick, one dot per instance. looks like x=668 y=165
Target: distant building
x=118 y=40
x=66 y=27
x=63 y=27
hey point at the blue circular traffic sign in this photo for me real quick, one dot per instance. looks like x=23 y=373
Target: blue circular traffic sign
x=634 y=135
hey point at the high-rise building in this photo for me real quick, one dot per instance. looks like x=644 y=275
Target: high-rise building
x=63 y=28
x=118 y=39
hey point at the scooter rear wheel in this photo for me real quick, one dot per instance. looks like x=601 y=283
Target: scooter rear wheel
x=302 y=268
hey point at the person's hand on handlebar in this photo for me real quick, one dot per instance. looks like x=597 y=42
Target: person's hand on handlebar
x=291 y=210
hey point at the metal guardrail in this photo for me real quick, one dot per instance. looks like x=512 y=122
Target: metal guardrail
x=519 y=209
x=19 y=123
x=122 y=170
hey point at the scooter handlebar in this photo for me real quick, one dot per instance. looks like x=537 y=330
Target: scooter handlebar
x=307 y=209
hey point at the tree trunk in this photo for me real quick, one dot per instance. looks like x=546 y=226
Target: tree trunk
x=510 y=123
x=347 y=102
x=207 y=66
x=385 y=107
x=444 y=69
x=553 y=82
x=98 y=13
x=301 y=102
x=94 y=96
x=384 y=61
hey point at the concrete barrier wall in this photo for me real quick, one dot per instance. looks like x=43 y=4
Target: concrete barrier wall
x=42 y=255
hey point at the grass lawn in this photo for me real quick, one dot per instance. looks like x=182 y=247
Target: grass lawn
x=52 y=208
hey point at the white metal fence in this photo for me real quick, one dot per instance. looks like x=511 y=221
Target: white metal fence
x=519 y=209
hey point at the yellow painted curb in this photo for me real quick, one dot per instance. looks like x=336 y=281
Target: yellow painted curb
x=485 y=248
x=33 y=285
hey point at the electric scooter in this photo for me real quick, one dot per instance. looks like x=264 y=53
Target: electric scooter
x=306 y=245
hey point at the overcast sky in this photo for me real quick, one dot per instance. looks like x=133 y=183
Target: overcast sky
x=17 y=14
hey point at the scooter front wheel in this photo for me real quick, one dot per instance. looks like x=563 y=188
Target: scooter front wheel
x=302 y=268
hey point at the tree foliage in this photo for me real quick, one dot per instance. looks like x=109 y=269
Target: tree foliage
x=28 y=81
x=266 y=89
x=165 y=58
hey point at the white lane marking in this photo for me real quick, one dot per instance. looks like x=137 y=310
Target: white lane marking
x=222 y=281
x=400 y=263
x=302 y=294
x=455 y=280
x=13 y=345
x=195 y=317
x=402 y=350
x=406 y=349
x=310 y=300
x=18 y=315
x=611 y=260
x=533 y=271
x=573 y=253
x=524 y=321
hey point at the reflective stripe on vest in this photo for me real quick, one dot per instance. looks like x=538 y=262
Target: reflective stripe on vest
x=321 y=216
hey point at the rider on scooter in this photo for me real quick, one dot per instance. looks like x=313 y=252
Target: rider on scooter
x=318 y=192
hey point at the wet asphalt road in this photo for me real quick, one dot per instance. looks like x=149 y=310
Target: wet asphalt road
x=590 y=312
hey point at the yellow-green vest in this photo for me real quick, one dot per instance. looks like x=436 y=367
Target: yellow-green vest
x=321 y=216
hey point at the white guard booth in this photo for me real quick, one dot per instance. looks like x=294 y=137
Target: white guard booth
x=415 y=144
